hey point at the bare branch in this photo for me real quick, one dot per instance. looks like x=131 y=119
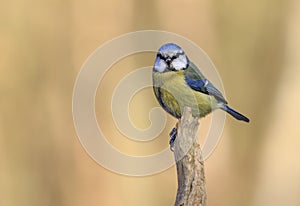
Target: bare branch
x=189 y=163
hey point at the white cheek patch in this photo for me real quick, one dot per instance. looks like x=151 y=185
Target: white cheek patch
x=179 y=63
x=160 y=65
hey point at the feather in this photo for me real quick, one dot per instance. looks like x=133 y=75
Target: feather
x=234 y=113
x=196 y=80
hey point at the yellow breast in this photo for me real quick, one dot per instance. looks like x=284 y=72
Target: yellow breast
x=174 y=94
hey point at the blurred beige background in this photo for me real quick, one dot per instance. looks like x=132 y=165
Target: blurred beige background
x=255 y=46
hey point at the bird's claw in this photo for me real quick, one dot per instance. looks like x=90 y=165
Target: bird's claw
x=173 y=135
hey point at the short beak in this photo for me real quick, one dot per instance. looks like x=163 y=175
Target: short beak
x=168 y=61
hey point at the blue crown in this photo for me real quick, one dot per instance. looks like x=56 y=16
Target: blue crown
x=169 y=46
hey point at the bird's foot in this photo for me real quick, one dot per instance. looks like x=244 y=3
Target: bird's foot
x=173 y=135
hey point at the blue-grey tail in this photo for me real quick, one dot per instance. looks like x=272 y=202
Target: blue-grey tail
x=234 y=113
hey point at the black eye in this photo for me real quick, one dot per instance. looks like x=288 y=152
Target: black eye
x=161 y=56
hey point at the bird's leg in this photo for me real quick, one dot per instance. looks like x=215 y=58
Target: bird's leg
x=173 y=135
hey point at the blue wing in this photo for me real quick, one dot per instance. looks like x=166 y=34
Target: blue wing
x=196 y=80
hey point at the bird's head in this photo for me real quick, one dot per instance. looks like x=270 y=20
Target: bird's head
x=170 y=57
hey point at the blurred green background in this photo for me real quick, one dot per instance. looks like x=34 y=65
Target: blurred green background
x=254 y=44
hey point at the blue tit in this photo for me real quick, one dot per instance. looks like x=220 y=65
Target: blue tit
x=178 y=83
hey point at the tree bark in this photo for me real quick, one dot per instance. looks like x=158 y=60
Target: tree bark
x=189 y=163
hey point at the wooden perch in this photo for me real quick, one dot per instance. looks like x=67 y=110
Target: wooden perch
x=189 y=163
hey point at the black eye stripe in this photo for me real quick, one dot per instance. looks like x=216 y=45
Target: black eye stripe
x=172 y=58
x=161 y=56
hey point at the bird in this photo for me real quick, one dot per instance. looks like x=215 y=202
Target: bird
x=178 y=83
